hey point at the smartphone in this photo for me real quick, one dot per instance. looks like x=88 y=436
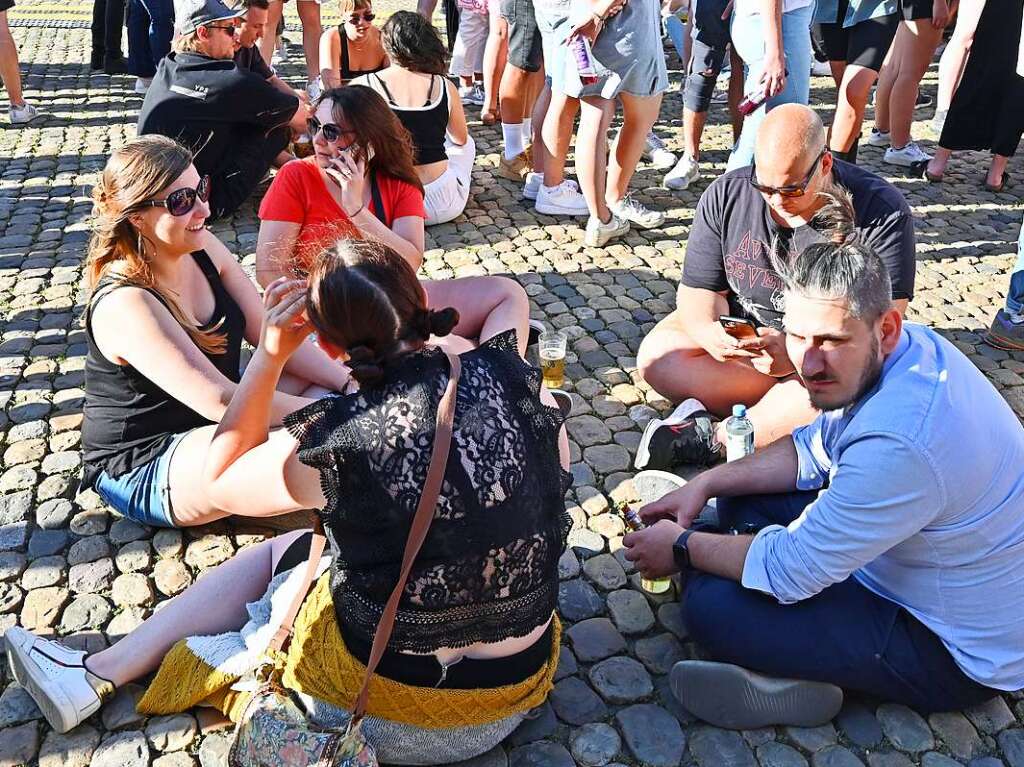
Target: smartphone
x=738 y=327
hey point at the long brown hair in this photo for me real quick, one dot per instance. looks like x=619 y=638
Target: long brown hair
x=133 y=174
x=365 y=298
x=363 y=111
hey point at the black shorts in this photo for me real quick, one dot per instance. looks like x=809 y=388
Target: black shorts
x=6 y=5
x=525 y=49
x=864 y=44
x=911 y=10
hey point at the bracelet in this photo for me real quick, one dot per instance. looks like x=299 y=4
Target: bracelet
x=353 y=215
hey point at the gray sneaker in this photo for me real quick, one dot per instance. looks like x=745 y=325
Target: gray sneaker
x=737 y=699
x=631 y=210
x=598 y=233
x=1006 y=333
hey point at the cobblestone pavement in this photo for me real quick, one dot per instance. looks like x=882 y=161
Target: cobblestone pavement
x=70 y=567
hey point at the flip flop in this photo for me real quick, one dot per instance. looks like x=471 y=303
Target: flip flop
x=1002 y=185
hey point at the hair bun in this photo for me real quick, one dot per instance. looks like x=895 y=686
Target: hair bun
x=442 y=321
x=367 y=368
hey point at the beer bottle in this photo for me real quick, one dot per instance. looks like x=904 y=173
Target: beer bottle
x=650 y=585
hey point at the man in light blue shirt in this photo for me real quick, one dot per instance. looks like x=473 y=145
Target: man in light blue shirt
x=889 y=548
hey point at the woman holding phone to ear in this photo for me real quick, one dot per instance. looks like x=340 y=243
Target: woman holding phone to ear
x=361 y=183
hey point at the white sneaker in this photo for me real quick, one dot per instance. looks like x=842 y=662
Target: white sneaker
x=142 y=84
x=906 y=156
x=566 y=199
x=687 y=171
x=878 y=138
x=472 y=94
x=26 y=113
x=56 y=678
x=656 y=153
x=629 y=209
x=820 y=68
x=598 y=234
x=534 y=181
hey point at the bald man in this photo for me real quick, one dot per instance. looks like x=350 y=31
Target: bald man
x=690 y=356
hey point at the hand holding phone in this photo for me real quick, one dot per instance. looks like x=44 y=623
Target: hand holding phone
x=738 y=327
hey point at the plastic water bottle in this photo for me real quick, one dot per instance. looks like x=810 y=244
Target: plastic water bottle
x=739 y=434
x=584 y=59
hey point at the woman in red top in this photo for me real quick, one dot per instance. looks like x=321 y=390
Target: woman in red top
x=361 y=183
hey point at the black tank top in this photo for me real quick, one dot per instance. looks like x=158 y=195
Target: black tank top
x=346 y=73
x=129 y=420
x=427 y=124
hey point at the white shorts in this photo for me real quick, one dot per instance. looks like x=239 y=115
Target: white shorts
x=446 y=196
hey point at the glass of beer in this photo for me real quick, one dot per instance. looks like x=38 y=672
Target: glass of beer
x=551 y=346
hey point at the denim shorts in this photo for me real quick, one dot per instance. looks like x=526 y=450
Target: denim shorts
x=143 y=494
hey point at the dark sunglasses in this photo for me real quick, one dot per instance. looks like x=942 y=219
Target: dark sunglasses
x=232 y=30
x=367 y=17
x=181 y=201
x=790 y=190
x=332 y=133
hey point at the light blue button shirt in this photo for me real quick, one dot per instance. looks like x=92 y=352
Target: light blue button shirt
x=924 y=506
x=827 y=11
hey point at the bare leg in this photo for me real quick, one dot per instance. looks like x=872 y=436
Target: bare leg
x=853 y=99
x=954 y=58
x=540 y=111
x=9 y=70
x=487 y=306
x=592 y=153
x=309 y=15
x=557 y=135
x=938 y=163
x=639 y=114
x=920 y=39
x=996 y=170
x=513 y=93
x=269 y=40
x=495 y=56
x=888 y=75
x=693 y=130
x=735 y=93
x=425 y=8
x=212 y=605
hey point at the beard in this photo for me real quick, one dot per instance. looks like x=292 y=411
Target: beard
x=868 y=378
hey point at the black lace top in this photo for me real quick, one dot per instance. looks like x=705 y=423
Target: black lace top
x=488 y=569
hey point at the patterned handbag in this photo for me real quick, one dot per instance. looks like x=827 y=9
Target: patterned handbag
x=273 y=731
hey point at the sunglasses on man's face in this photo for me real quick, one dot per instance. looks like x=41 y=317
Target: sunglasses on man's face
x=232 y=30
x=181 y=201
x=789 y=190
x=332 y=133
x=367 y=17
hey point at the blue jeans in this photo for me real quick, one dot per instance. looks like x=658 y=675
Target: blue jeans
x=676 y=30
x=143 y=494
x=150 y=29
x=748 y=36
x=846 y=635
x=1015 y=298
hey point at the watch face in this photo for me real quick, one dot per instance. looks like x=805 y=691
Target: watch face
x=681 y=553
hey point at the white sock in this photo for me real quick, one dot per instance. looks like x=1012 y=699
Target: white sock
x=527 y=130
x=512 y=133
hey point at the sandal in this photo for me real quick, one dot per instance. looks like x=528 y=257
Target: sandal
x=1004 y=182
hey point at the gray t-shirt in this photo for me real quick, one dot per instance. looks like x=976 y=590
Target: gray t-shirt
x=728 y=247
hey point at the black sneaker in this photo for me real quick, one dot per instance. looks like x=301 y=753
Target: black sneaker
x=563 y=400
x=536 y=328
x=685 y=437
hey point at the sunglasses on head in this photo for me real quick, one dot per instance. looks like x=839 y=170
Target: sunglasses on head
x=367 y=17
x=181 y=201
x=332 y=133
x=789 y=190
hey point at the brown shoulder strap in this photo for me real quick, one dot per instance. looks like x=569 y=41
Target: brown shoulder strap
x=418 y=533
x=284 y=631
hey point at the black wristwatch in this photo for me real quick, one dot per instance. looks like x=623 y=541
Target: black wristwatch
x=681 y=553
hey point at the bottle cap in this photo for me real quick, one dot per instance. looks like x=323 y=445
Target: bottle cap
x=739 y=411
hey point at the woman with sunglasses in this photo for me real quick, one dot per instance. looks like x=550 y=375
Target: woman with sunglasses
x=353 y=48
x=361 y=183
x=429 y=107
x=168 y=309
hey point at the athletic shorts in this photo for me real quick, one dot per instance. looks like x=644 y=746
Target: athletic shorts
x=864 y=44
x=911 y=10
x=525 y=49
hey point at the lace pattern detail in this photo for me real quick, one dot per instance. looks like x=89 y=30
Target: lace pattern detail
x=488 y=569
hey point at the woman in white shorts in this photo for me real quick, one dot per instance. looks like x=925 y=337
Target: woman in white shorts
x=428 y=105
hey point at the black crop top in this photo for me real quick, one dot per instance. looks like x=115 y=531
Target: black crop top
x=128 y=419
x=488 y=569
x=427 y=124
x=350 y=74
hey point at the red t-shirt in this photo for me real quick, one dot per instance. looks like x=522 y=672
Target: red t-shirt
x=299 y=194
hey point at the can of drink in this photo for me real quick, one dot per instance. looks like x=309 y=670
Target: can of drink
x=584 y=59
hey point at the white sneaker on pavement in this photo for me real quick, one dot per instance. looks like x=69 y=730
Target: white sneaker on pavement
x=597 y=233
x=26 y=113
x=56 y=677
x=635 y=213
x=566 y=199
x=879 y=138
x=472 y=94
x=656 y=153
x=820 y=68
x=687 y=171
x=142 y=84
x=907 y=156
x=531 y=188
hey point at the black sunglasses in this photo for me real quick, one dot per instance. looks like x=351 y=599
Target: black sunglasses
x=367 y=17
x=232 y=30
x=181 y=201
x=331 y=131
x=790 y=190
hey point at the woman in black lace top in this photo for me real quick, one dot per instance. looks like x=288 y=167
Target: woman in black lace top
x=475 y=643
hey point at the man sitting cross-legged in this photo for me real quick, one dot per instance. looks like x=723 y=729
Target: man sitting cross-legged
x=741 y=218
x=879 y=549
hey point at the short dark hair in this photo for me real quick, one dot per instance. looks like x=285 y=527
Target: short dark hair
x=264 y=4
x=842 y=267
x=413 y=43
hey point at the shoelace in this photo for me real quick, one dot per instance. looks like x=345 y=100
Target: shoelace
x=654 y=142
x=629 y=204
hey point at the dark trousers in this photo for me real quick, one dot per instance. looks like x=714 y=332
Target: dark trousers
x=107 y=23
x=150 y=30
x=251 y=158
x=708 y=51
x=846 y=635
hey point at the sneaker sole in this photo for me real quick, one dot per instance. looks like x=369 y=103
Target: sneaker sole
x=659 y=165
x=652 y=484
x=563 y=400
x=684 y=410
x=530 y=194
x=555 y=210
x=30 y=676
x=681 y=183
x=737 y=699
x=879 y=144
x=642 y=225
x=1001 y=342
x=511 y=175
x=903 y=163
